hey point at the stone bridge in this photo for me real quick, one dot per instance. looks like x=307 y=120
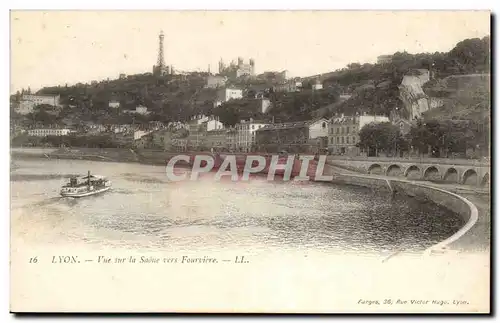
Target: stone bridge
x=459 y=171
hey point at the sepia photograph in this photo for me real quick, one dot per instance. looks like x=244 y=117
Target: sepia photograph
x=250 y=161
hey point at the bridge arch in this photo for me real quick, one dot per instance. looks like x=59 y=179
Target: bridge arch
x=469 y=177
x=486 y=180
x=413 y=172
x=375 y=169
x=394 y=170
x=432 y=173
x=451 y=175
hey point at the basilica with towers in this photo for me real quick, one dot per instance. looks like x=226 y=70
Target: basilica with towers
x=235 y=70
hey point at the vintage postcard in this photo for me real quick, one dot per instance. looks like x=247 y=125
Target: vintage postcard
x=250 y=161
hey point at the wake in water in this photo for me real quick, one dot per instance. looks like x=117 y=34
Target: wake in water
x=69 y=201
x=123 y=191
x=142 y=178
x=39 y=177
x=47 y=202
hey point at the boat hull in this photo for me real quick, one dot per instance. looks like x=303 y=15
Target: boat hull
x=84 y=194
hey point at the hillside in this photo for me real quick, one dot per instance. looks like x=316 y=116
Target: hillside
x=464 y=96
x=372 y=88
x=171 y=96
x=375 y=86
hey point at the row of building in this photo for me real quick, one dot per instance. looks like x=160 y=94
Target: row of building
x=285 y=85
x=338 y=135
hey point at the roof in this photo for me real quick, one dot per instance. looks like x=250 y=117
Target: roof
x=343 y=119
x=92 y=177
x=315 y=120
x=287 y=125
x=297 y=124
x=253 y=122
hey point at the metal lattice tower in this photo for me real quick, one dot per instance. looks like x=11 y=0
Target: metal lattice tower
x=161 y=59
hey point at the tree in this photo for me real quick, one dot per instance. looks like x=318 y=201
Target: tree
x=228 y=115
x=251 y=94
x=353 y=66
x=445 y=137
x=379 y=137
x=471 y=55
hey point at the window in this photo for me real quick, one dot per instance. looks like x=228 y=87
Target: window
x=331 y=140
x=323 y=125
x=342 y=130
x=342 y=139
x=346 y=129
x=347 y=139
x=337 y=131
x=337 y=139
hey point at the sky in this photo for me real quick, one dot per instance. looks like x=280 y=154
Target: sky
x=67 y=47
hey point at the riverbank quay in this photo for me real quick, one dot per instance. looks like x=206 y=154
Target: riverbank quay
x=156 y=157
x=160 y=157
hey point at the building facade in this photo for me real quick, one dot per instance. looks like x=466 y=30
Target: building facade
x=43 y=132
x=120 y=128
x=140 y=133
x=226 y=94
x=28 y=102
x=179 y=144
x=245 y=134
x=145 y=142
x=161 y=139
x=216 y=139
x=235 y=70
x=215 y=81
x=114 y=104
x=124 y=139
x=138 y=110
x=317 y=86
x=213 y=124
x=384 y=59
x=293 y=137
x=264 y=104
x=318 y=128
x=141 y=110
x=231 y=137
x=343 y=133
x=290 y=86
x=403 y=124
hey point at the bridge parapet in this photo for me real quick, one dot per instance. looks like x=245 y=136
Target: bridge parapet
x=468 y=173
x=413 y=160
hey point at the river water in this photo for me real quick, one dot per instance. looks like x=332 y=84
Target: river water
x=144 y=211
